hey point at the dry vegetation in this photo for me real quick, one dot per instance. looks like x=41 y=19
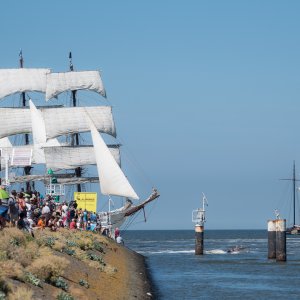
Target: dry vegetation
x=56 y=265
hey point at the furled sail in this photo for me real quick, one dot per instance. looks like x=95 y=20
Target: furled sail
x=68 y=157
x=112 y=179
x=18 y=120
x=60 y=180
x=22 y=80
x=70 y=81
x=77 y=180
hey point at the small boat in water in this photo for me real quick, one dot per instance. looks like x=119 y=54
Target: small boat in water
x=235 y=249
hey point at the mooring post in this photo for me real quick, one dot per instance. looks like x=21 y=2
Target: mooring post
x=198 y=217
x=199 y=233
x=271 y=239
x=280 y=240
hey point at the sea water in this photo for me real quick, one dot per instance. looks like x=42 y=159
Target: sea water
x=177 y=273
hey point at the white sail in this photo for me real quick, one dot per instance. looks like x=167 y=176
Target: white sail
x=39 y=135
x=38 y=129
x=56 y=124
x=117 y=218
x=7 y=152
x=38 y=156
x=18 y=120
x=71 y=81
x=5 y=142
x=112 y=179
x=14 y=121
x=67 y=157
x=38 y=125
x=22 y=80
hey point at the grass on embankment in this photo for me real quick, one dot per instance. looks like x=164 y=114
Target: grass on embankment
x=54 y=265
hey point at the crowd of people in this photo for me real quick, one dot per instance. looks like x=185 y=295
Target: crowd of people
x=30 y=211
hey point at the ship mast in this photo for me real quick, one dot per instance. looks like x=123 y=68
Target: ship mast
x=75 y=136
x=294 y=179
x=294 y=192
x=27 y=169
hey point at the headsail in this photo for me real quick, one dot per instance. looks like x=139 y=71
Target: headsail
x=37 y=125
x=112 y=179
x=39 y=135
x=22 y=80
x=70 y=81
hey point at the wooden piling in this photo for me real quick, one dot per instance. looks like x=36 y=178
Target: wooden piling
x=271 y=239
x=280 y=240
x=199 y=234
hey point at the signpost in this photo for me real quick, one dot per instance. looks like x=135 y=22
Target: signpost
x=86 y=201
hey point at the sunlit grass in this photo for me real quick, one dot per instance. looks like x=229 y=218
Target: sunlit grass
x=43 y=259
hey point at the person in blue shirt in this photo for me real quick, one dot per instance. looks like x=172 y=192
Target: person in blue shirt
x=85 y=218
x=93 y=217
x=88 y=226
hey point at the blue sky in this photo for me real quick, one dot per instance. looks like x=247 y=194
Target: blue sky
x=205 y=94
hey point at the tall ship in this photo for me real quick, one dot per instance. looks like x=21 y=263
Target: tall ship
x=53 y=135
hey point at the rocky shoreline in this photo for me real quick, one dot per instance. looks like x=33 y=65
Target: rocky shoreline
x=69 y=265
x=140 y=283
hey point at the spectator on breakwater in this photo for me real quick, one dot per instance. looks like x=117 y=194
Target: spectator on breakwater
x=36 y=212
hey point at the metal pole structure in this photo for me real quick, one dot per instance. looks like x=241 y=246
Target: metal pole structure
x=294 y=179
x=280 y=240
x=75 y=137
x=27 y=169
x=50 y=172
x=271 y=239
x=294 y=193
x=6 y=170
x=50 y=185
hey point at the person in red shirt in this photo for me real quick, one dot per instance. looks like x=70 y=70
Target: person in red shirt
x=22 y=203
x=117 y=233
x=73 y=224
